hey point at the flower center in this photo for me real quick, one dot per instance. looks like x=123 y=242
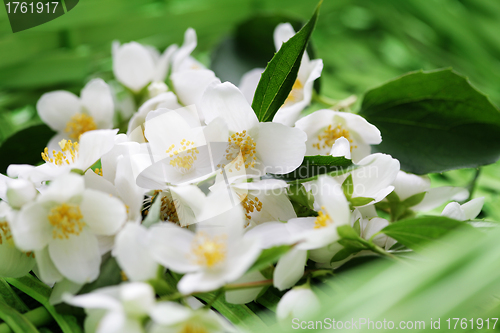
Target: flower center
x=240 y=142
x=208 y=251
x=193 y=328
x=250 y=205
x=323 y=219
x=168 y=210
x=5 y=230
x=79 y=124
x=329 y=135
x=67 y=155
x=184 y=157
x=296 y=94
x=66 y=220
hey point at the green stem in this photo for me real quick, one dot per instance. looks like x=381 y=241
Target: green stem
x=216 y=297
x=38 y=317
x=472 y=185
x=323 y=99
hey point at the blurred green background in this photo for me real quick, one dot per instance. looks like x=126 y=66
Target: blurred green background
x=363 y=43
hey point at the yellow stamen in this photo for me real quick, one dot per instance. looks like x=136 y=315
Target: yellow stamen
x=193 y=328
x=250 y=205
x=66 y=220
x=5 y=230
x=329 y=135
x=208 y=251
x=241 y=142
x=67 y=155
x=79 y=124
x=98 y=171
x=168 y=210
x=295 y=94
x=323 y=219
x=123 y=276
x=184 y=156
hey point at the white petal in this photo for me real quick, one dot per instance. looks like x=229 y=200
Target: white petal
x=299 y=303
x=133 y=66
x=56 y=108
x=117 y=322
x=14 y=263
x=185 y=50
x=64 y=188
x=77 y=258
x=226 y=101
x=341 y=147
x=473 y=208
x=191 y=199
x=31 y=229
x=169 y=313
x=190 y=85
x=162 y=66
x=241 y=255
x=437 y=196
x=200 y=282
x=99 y=183
x=282 y=33
x=171 y=247
x=97 y=100
x=377 y=172
x=93 y=301
x=280 y=148
x=454 y=211
x=290 y=269
x=46 y=268
x=245 y=295
x=249 y=82
x=132 y=253
x=407 y=184
x=331 y=196
x=102 y=213
x=93 y=145
x=20 y=192
x=64 y=290
x=271 y=234
x=138 y=298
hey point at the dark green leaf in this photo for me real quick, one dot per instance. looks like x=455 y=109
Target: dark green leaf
x=269 y=257
x=25 y=147
x=10 y=297
x=281 y=72
x=414 y=233
x=434 y=121
x=41 y=293
x=297 y=193
x=16 y=321
x=313 y=166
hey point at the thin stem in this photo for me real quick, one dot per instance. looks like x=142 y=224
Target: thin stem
x=216 y=297
x=247 y=285
x=472 y=184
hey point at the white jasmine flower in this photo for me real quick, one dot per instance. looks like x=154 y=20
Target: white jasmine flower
x=19 y=192
x=179 y=152
x=324 y=127
x=166 y=100
x=372 y=179
x=116 y=309
x=182 y=59
x=407 y=185
x=71 y=116
x=135 y=65
x=61 y=226
x=262 y=201
x=467 y=211
x=264 y=147
x=13 y=262
x=302 y=90
x=308 y=232
x=169 y=317
x=300 y=302
x=214 y=255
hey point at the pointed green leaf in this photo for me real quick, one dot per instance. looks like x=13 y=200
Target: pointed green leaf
x=17 y=322
x=348 y=187
x=281 y=72
x=414 y=233
x=414 y=199
x=269 y=256
x=360 y=201
x=314 y=166
x=10 y=297
x=434 y=121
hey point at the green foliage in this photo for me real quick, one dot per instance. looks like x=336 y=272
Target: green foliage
x=434 y=121
x=25 y=146
x=314 y=166
x=281 y=72
x=269 y=256
x=414 y=233
x=17 y=322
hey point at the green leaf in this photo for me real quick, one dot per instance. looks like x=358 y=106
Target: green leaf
x=41 y=293
x=240 y=315
x=110 y=275
x=269 y=257
x=25 y=146
x=360 y=201
x=281 y=72
x=414 y=199
x=10 y=297
x=348 y=232
x=344 y=254
x=434 y=121
x=16 y=321
x=297 y=193
x=348 y=187
x=414 y=233
x=314 y=166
